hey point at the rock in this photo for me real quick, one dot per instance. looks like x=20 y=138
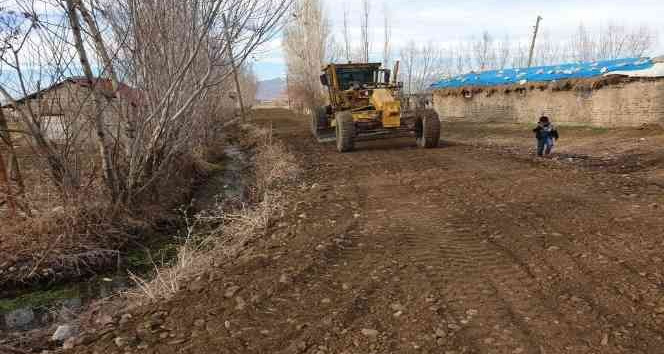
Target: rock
x=69 y=344
x=472 y=312
x=62 y=333
x=398 y=314
x=372 y=333
x=453 y=327
x=105 y=320
x=605 y=339
x=125 y=318
x=326 y=301
x=85 y=339
x=397 y=307
x=227 y=324
x=440 y=333
x=553 y=248
x=241 y=304
x=121 y=342
x=284 y=279
x=196 y=286
x=231 y=291
x=659 y=310
x=518 y=350
x=199 y=323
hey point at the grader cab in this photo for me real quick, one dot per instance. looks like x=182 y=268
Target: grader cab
x=366 y=103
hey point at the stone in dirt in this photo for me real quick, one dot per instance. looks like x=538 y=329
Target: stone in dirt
x=121 y=342
x=240 y=303
x=105 y=320
x=70 y=343
x=125 y=318
x=441 y=333
x=63 y=332
x=372 y=333
x=230 y=292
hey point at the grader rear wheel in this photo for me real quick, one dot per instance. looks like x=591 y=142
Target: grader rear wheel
x=345 y=131
x=427 y=129
x=318 y=117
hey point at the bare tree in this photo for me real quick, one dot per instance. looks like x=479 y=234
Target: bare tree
x=640 y=41
x=547 y=51
x=484 y=52
x=365 y=45
x=305 y=41
x=171 y=56
x=387 y=30
x=503 y=52
x=99 y=121
x=347 y=41
x=422 y=66
x=408 y=56
x=583 y=47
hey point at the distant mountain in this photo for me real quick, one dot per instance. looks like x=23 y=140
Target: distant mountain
x=269 y=90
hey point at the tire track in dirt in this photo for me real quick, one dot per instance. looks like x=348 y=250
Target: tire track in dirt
x=590 y=289
x=451 y=250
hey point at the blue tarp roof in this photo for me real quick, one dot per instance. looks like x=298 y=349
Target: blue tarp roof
x=544 y=73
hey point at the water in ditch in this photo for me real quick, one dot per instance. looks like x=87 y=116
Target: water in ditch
x=41 y=309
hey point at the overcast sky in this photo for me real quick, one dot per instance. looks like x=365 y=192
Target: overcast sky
x=446 y=22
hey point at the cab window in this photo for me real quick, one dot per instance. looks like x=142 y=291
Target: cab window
x=349 y=77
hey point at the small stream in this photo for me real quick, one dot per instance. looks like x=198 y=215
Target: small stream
x=40 y=309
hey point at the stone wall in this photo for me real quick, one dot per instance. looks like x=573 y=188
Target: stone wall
x=624 y=104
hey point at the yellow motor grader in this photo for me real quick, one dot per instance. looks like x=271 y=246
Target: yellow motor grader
x=365 y=104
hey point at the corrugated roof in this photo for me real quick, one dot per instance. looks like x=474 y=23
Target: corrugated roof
x=581 y=70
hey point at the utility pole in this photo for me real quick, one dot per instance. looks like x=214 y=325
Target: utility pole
x=532 y=45
x=235 y=74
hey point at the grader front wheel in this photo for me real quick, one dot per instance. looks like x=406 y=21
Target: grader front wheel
x=345 y=131
x=427 y=129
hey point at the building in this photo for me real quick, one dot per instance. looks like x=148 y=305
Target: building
x=66 y=109
x=622 y=92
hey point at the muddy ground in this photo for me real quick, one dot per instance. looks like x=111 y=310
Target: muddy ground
x=472 y=247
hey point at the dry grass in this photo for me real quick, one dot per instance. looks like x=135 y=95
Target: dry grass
x=228 y=232
x=589 y=84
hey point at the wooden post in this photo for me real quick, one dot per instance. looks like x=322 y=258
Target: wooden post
x=229 y=47
x=11 y=202
x=532 y=45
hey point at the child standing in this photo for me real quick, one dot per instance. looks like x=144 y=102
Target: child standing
x=545 y=133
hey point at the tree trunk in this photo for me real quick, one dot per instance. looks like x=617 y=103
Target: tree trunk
x=104 y=151
x=235 y=74
x=14 y=169
x=11 y=202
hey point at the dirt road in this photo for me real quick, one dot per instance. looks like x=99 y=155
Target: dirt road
x=393 y=249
